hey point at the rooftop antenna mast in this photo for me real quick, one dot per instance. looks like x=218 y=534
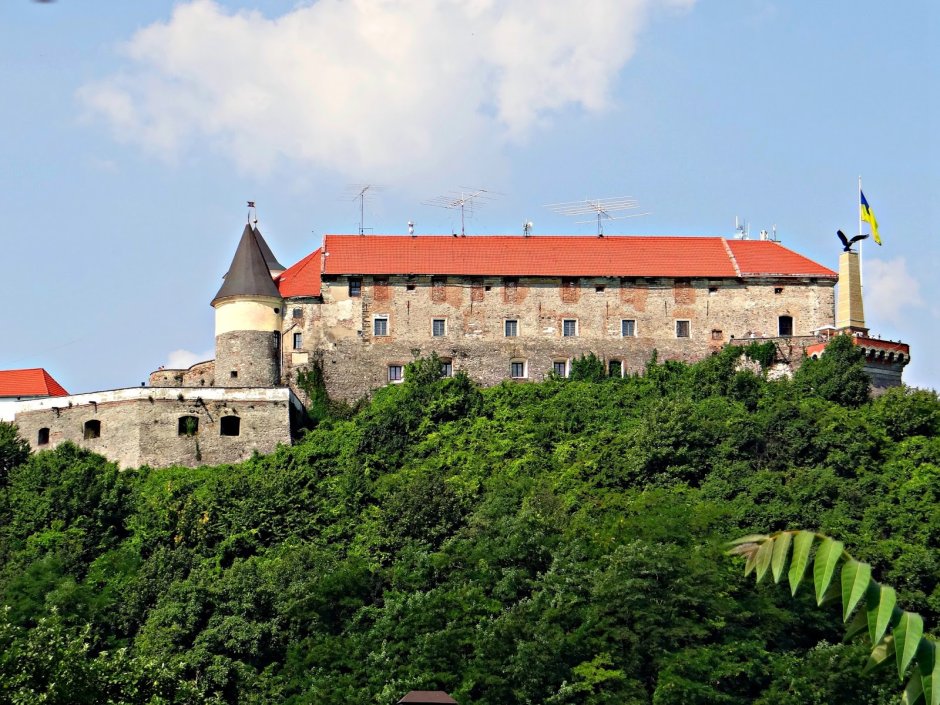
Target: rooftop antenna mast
x=602 y=208
x=359 y=192
x=462 y=200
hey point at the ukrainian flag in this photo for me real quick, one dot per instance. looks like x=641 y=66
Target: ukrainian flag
x=869 y=217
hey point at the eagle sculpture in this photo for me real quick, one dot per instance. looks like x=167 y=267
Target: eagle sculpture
x=846 y=243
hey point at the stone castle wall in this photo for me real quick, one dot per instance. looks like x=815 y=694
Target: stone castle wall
x=141 y=426
x=202 y=374
x=343 y=328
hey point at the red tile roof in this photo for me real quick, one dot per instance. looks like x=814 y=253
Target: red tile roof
x=763 y=257
x=35 y=382
x=302 y=279
x=554 y=255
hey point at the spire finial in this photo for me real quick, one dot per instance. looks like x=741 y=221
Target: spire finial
x=252 y=211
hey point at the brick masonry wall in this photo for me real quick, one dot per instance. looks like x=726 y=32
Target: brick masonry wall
x=475 y=310
x=140 y=426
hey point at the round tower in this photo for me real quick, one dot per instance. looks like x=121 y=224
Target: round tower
x=248 y=317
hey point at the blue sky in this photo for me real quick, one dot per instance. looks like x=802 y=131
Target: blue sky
x=132 y=133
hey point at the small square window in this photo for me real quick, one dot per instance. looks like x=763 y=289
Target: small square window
x=298 y=341
x=778 y=289
x=627 y=328
x=560 y=368
x=717 y=334
x=517 y=369
x=511 y=328
x=615 y=368
x=92 y=429
x=600 y=289
x=355 y=287
x=409 y=286
x=713 y=290
x=42 y=438
x=683 y=329
x=233 y=374
x=569 y=328
x=447 y=368
x=438 y=327
x=396 y=373
x=298 y=313
x=380 y=326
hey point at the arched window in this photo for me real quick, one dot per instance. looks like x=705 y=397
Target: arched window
x=229 y=426
x=785 y=326
x=187 y=426
x=92 y=429
x=42 y=438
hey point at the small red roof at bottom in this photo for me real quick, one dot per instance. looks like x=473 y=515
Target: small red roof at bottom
x=34 y=382
x=429 y=697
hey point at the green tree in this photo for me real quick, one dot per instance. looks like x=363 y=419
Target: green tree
x=13 y=449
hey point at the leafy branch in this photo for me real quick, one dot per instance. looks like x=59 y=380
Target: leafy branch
x=892 y=631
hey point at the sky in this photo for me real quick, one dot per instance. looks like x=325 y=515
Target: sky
x=132 y=134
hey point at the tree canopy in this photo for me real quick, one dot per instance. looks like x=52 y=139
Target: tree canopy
x=554 y=543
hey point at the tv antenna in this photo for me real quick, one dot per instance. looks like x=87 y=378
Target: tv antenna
x=359 y=192
x=462 y=200
x=601 y=207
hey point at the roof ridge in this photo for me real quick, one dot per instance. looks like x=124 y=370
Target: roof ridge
x=734 y=260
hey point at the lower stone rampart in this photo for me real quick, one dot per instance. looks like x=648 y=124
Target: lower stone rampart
x=164 y=426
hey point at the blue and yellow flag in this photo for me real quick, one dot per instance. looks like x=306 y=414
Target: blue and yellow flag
x=869 y=217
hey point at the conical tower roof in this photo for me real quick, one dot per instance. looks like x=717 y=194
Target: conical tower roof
x=248 y=274
x=273 y=265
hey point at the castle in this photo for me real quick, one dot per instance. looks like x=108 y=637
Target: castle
x=496 y=307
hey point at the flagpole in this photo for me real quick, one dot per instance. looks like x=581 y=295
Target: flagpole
x=861 y=271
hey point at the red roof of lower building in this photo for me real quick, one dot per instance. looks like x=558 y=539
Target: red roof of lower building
x=563 y=256
x=34 y=382
x=302 y=279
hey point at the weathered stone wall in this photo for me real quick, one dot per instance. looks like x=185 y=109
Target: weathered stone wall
x=202 y=374
x=140 y=426
x=247 y=358
x=474 y=311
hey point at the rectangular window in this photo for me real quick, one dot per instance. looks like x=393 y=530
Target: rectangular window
x=355 y=287
x=438 y=327
x=683 y=329
x=615 y=368
x=447 y=368
x=517 y=369
x=560 y=368
x=717 y=334
x=569 y=328
x=785 y=326
x=380 y=326
x=298 y=341
x=396 y=373
x=511 y=328
x=627 y=328
x=298 y=313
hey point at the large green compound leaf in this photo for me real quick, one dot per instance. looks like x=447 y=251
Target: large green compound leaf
x=824 y=567
x=856 y=577
x=801 y=548
x=762 y=559
x=913 y=691
x=880 y=603
x=781 y=550
x=883 y=650
x=907 y=635
x=928 y=666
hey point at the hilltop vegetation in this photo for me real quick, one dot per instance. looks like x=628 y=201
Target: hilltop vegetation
x=557 y=543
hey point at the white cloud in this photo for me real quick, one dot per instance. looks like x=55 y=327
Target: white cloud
x=183 y=359
x=366 y=86
x=890 y=291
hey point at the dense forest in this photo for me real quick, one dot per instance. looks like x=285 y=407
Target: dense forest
x=553 y=543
